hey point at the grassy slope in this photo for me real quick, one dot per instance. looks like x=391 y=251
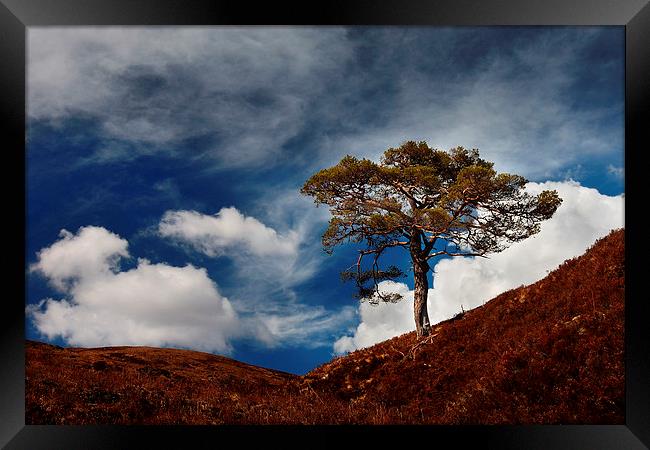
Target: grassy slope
x=551 y=352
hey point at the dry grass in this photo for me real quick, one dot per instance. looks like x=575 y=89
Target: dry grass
x=551 y=352
x=140 y=385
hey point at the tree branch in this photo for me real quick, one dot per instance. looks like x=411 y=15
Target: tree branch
x=444 y=252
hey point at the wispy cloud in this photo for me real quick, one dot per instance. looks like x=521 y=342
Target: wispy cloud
x=256 y=97
x=246 y=90
x=618 y=172
x=516 y=104
x=302 y=326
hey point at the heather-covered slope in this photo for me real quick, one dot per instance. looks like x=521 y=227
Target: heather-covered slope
x=147 y=386
x=551 y=352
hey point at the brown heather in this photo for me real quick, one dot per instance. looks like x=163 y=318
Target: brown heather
x=547 y=353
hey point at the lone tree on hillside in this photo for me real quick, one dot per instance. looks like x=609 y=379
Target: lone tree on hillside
x=428 y=201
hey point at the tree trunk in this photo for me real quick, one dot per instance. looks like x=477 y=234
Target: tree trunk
x=420 y=270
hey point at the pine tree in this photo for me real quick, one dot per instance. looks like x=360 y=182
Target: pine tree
x=430 y=202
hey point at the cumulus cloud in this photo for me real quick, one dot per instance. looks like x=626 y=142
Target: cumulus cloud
x=273 y=314
x=584 y=216
x=277 y=257
x=94 y=251
x=382 y=321
x=227 y=229
x=151 y=304
x=163 y=305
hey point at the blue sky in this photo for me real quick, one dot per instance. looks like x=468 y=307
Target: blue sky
x=173 y=157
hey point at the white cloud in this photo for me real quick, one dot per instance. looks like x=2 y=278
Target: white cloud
x=151 y=304
x=94 y=251
x=279 y=260
x=277 y=257
x=382 y=321
x=227 y=230
x=584 y=216
x=162 y=305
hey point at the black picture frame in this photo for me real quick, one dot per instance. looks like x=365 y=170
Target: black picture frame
x=16 y=15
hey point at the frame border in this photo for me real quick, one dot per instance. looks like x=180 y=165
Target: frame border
x=17 y=15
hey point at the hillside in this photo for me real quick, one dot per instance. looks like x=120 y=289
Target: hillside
x=551 y=352
x=143 y=385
